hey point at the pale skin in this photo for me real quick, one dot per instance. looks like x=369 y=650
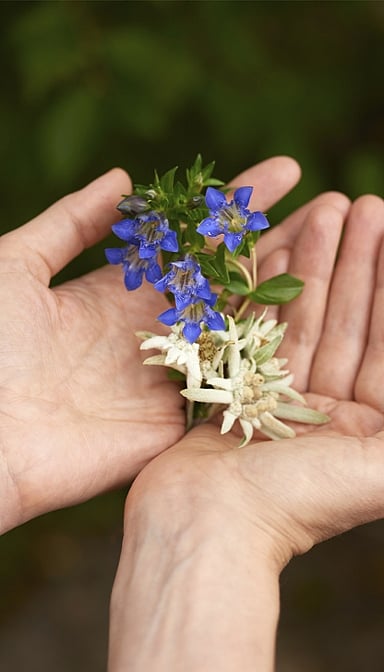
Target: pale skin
x=80 y=414
x=209 y=527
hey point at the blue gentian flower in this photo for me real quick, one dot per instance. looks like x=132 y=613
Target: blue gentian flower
x=133 y=266
x=233 y=219
x=151 y=231
x=186 y=282
x=193 y=315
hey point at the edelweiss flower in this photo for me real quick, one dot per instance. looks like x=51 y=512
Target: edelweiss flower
x=177 y=354
x=232 y=219
x=252 y=394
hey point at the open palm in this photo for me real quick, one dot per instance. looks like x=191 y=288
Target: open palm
x=79 y=412
x=328 y=479
x=233 y=517
x=334 y=341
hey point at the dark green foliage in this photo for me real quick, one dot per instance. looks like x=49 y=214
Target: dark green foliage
x=89 y=85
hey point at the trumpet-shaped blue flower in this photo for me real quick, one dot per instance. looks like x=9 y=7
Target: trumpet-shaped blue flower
x=133 y=266
x=150 y=231
x=193 y=316
x=186 y=282
x=233 y=219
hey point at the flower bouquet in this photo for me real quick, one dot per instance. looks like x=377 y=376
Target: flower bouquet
x=199 y=248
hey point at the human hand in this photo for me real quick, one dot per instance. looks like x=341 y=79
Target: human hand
x=225 y=521
x=79 y=413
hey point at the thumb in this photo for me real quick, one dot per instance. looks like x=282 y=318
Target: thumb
x=51 y=240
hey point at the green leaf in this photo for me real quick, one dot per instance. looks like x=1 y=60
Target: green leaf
x=219 y=263
x=167 y=180
x=207 y=266
x=237 y=287
x=280 y=289
x=191 y=236
x=213 y=182
x=237 y=284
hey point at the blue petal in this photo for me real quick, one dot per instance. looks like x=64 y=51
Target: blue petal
x=192 y=331
x=147 y=250
x=233 y=240
x=115 y=255
x=203 y=290
x=169 y=242
x=133 y=279
x=257 y=221
x=125 y=229
x=162 y=284
x=212 y=299
x=169 y=317
x=214 y=320
x=182 y=301
x=242 y=196
x=215 y=199
x=153 y=273
x=209 y=227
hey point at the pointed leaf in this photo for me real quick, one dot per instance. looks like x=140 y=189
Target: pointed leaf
x=167 y=180
x=280 y=289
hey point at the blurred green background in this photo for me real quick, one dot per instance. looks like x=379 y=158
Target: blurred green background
x=144 y=85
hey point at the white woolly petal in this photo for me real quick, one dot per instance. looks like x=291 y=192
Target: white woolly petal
x=247 y=428
x=217 y=358
x=267 y=326
x=194 y=376
x=256 y=423
x=208 y=395
x=233 y=350
x=272 y=427
x=281 y=388
x=193 y=381
x=158 y=342
x=228 y=421
x=172 y=355
x=155 y=360
x=299 y=414
x=222 y=383
x=272 y=369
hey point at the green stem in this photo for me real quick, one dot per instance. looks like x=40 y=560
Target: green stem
x=250 y=279
x=244 y=271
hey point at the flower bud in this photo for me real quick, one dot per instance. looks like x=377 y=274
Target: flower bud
x=195 y=202
x=132 y=206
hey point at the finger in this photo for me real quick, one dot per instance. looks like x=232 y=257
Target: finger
x=312 y=260
x=369 y=385
x=272 y=179
x=285 y=234
x=345 y=331
x=274 y=247
x=51 y=240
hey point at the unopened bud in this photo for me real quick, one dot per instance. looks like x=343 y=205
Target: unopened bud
x=195 y=202
x=132 y=205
